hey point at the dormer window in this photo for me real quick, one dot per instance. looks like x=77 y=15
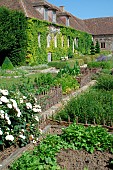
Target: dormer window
x=46 y=14
x=67 y=21
x=54 y=17
x=64 y=16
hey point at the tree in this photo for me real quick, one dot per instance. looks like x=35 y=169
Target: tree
x=92 y=49
x=13 y=36
x=97 y=47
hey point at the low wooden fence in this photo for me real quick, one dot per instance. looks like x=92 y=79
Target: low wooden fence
x=86 y=75
x=49 y=98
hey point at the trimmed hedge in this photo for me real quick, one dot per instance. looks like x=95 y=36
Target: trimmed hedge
x=13 y=37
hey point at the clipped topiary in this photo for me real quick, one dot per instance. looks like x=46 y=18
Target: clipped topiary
x=97 y=47
x=7 y=64
x=92 y=49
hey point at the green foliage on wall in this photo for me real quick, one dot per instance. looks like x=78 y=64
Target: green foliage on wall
x=13 y=37
x=37 y=52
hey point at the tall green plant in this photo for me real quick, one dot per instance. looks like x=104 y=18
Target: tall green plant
x=13 y=38
x=7 y=64
x=92 y=49
x=97 y=47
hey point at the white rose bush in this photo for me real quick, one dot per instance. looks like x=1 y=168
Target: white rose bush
x=19 y=118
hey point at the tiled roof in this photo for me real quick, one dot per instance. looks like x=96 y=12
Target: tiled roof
x=23 y=5
x=99 y=26
x=93 y=26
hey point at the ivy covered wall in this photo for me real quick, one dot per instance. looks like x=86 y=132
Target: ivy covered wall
x=37 y=52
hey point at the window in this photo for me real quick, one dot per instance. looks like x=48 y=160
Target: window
x=48 y=40
x=73 y=46
x=62 y=41
x=45 y=14
x=76 y=42
x=102 y=44
x=68 y=42
x=55 y=41
x=54 y=17
x=39 y=44
x=67 y=21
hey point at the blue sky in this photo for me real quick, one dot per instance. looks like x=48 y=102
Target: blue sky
x=85 y=9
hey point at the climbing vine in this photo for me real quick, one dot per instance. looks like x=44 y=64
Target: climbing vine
x=37 y=51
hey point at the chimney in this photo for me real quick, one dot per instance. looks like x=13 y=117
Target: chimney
x=61 y=8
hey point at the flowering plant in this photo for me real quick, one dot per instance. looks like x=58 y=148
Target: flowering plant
x=19 y=117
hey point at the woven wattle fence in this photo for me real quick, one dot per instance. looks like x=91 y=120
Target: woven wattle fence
x=49 y=98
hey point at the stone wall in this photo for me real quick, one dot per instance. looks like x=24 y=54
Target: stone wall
x=108 y=39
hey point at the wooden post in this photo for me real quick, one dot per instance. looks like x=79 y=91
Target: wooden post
x=69 y=119
x=94 y=122
x=76 y=119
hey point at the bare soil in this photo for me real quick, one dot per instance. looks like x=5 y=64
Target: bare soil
x=72 y=159
x=79 y=160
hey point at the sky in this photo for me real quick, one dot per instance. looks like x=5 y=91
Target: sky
x=85 y=9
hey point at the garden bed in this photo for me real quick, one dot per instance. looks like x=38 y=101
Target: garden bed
x=82 y=160
x=66 y=158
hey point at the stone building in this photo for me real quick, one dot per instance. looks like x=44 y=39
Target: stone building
x=100 y=28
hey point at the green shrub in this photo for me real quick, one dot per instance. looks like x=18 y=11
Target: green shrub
x=57 y=65
x=87 y=59
x=68 y=70
x=80 y=61
x=100 y=64
x=13 y=38
x=7 y=64
x=67 y=82
x=105 y=81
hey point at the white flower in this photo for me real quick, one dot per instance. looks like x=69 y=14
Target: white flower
x=4 y=92
x=36 y=108
x=0 y=102
x=28 y=105
x=36 y=118
x=2 y=114
x=9 y=106
x=22 y=130
x=18 y=112
x=4 y=99
x=14 y=103
x=9 y=122
x=24 y=97
x=21 y=136
x=1 y=133
x=34 y=141
x=6 y=116
x=9 y=137
x=37 y=139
